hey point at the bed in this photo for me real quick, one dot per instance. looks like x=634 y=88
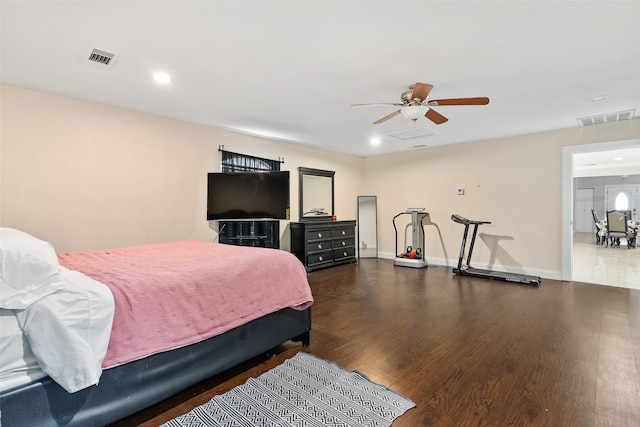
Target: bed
x=88 y=338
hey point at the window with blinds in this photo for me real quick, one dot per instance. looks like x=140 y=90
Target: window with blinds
x=235 y=162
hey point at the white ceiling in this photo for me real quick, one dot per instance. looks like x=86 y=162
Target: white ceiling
x=617 y=162
x=290 y=70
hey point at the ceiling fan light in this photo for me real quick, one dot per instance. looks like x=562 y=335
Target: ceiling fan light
x=414 y=112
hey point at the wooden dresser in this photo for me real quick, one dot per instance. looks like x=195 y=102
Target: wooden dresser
x=323 y=244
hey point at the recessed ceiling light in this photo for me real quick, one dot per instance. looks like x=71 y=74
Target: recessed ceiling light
x=617 y=158
x=598 y=98
x=162 y=78
x=375 y=141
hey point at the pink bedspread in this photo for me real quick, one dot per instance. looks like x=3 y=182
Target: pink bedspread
x=168 y=295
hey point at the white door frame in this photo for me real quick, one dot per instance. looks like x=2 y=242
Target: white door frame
x=567 y=195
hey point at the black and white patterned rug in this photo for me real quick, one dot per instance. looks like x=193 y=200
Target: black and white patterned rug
x=302 y=391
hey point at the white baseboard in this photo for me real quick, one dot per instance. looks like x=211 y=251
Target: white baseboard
x=443 y=262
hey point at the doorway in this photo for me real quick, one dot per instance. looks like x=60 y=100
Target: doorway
x=367 y=227
x=569 y=192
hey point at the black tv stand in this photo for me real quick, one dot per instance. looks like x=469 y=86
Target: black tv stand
x=263 y=233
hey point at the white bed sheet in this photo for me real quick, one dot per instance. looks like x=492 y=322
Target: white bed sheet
x=67 y=332
x=18 y=364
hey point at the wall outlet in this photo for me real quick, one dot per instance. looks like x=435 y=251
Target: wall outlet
x=460 y=192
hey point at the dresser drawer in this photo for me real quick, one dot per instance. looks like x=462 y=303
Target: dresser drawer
x=322 y=244
x=343 y=243
x=311 y=235
x=317 y=258
x=343 y=232
x=339 y=254
x=319 y=245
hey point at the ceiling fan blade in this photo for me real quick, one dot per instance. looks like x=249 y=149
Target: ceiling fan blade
x=379 y=104
x=387 y=117
x=435 y=117
x=459 y=101
x=421 y=91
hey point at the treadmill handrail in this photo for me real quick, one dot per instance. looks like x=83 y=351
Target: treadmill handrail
x=462 y=220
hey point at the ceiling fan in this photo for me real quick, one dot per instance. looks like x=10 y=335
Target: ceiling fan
x=416 y=103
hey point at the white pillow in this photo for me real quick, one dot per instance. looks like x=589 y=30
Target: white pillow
x=28 y=268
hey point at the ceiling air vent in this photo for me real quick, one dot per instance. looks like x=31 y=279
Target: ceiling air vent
x=413 y=133
x=606 y=118
x=100 y=58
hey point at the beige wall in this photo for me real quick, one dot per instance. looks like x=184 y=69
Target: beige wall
x=86 y=176
x=516 y=183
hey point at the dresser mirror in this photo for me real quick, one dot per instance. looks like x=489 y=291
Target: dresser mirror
x=316 y=194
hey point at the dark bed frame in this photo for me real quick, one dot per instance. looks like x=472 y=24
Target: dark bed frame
x=129 y=388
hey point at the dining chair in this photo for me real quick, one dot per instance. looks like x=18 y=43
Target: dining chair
x=617 y=228
x=599 y=227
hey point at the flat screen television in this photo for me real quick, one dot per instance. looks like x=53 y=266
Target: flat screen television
x=248 y=195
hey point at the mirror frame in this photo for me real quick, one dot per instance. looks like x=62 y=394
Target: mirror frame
x=302 y=172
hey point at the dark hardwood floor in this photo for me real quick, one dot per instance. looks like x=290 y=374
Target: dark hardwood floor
x=468 y=352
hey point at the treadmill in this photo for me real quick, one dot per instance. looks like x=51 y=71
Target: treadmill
x=487 y=274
